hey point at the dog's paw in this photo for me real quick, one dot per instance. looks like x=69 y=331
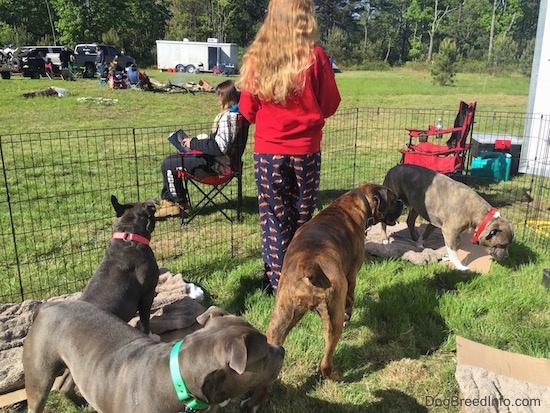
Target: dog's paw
x=386 y=241
x=155 y=337
x=347 y=317
x=245 y=408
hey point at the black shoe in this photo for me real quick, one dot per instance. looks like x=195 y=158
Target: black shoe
x=266 y=285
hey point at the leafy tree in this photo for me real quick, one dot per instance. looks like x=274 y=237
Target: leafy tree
x=86 y=22
x=337 y=45
x=186 y=21
x=14 y=36
x=504 y=53
x=443 y=69
x=29 y=16
x=143 y=25
x=355 y=32
x=418 y=15
x=526 y=58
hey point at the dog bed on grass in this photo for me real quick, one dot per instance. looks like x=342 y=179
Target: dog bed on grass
x=496 y=381
x=495 y=393
x=173 y=309
x=402 y=246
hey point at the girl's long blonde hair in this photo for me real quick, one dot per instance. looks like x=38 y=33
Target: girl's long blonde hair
x=275 y=64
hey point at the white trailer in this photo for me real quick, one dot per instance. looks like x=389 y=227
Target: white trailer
x=194 y=57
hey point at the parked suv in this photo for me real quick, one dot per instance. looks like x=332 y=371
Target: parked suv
x=26 y=59
x=85 y=55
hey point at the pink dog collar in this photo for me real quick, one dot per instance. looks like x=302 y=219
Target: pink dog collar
x=486 y=220
x=128 y=236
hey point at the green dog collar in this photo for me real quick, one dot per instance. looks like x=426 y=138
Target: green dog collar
x=179 y=385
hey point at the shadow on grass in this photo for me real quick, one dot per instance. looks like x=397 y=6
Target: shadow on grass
x=520 y=254
x=391 y=400
x=249 y=206
x=386 y=401
x=500 y=194
x=247 y=286
x=404 y=321
x=236 y=304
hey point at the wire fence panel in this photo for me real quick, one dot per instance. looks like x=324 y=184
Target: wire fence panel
x=56 y=217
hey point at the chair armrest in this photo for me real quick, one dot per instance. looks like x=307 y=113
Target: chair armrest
x=192 y=152
x=431 y=131
x=429 y=148
x=415 y=133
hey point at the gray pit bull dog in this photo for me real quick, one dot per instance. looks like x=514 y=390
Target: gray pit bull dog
x=451 y=206
x=118 y=369
x=125 y=281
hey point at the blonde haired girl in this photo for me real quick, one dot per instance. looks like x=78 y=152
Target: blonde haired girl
x=287 y=89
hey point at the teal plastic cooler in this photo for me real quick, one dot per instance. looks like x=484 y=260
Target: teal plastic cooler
x=492 y=165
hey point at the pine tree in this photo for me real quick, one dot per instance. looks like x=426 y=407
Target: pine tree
x=443 y=68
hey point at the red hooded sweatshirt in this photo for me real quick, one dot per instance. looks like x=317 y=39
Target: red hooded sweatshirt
x=294 y=129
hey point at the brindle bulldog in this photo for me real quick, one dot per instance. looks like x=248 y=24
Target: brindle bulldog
x=119 y=369
x=321 y=264
x=451 y=206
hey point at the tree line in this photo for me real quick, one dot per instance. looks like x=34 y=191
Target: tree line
x=495 y=34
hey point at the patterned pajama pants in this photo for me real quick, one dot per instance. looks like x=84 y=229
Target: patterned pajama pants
x=288 y=187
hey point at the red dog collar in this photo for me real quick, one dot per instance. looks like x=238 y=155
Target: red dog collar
x=488 y=217
x=128 y=236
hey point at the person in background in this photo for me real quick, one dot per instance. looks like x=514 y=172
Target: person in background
x=132 y=74
x=48 y=67
x=287 y=89
x=137 y=78
x=99 y=60
x=116 y=67
x=174 y=199
x=65 y=57
x=41 y=63
x=117 y=75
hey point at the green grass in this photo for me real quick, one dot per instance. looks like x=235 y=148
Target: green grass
x=400 y=88
x=399 y=347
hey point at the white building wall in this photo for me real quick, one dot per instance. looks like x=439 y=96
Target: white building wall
x=535 y=151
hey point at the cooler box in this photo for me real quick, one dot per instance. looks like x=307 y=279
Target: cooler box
x=482 y=142
x=492 y=165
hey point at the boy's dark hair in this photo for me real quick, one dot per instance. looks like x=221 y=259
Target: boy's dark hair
x=228 y=92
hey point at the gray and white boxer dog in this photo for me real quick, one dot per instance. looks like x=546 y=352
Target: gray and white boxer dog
x=119 y=369
x=451 y=206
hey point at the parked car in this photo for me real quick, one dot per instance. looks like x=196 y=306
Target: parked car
x=85 y=54
x=26 y=59
x=5 y=67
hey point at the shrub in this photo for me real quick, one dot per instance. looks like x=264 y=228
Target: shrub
x=444 y=65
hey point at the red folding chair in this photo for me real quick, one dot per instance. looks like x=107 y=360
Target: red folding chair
x=211 y=188
x=448 y=158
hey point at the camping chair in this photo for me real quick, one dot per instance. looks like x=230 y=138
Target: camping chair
x=215 y=184
x=49 y=70
x=102 y=77
x=448 y=158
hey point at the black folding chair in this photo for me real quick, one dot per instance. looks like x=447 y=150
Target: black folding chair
x=211 y=188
